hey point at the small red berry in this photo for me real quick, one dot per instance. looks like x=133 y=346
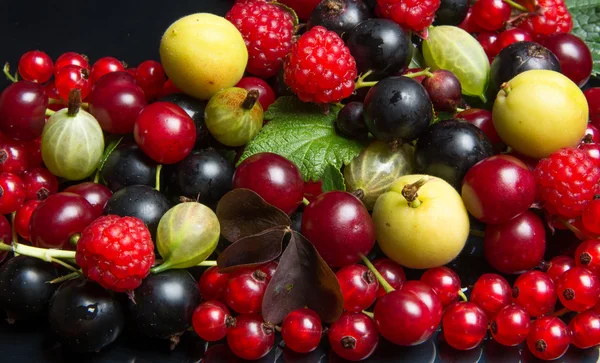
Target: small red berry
x=491 y=293
x=269 y=269
x=590 y=216
x=578 y=289
x=491 y=14
x=444 y=282
x=12 y=193
x=587 y=255
x=22 y=218
x=104 y=66
x=36 y=66
x=301 y=330
x=489 y=43
x=535 y=291
x=72 y=77
x=251 y=338
x=511 y=36
x=353 y=336
x=245 y=290
x=359 y=287
x=150 y=76
x=14 y=156
x=39 y=183
x=212 y=284
x=557 y=266
x=585 y=329
x=391 y=271
x=211 y=320
x=510 y=326
x=266 y=95
x=551 y=17
x=71 y=59
x=548 y=338
x=464 y=325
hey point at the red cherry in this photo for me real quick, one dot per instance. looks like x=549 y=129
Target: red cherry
x=301 y=330
x=353 y=336
x=548 y=338
x=489 y=43
x=578 y=289
x=557 y=266
x=12 y=193
x=69 y=59
x=266 y=95
x=251 y=338
x=245 y=290
x=96 y=194
x=483 y=120
x=392 y=272
x=58 y=218
x=165 y=132
x=517 y=245
x=69 y=78
x=104 y=66
x=592 y=95
x=23 y=110
x=39 y=183
x=212 y=284
x=211 y=319
x=276 y=179
x=150 y=76
x=36 y=66
x=510 y=326
x=491 y=14
x=23 y=217
x=444 y=282
x=464 y=325
x=535 y=291
x=511 y=36
x=5 y=235
x=359 y=287
x=587 y=255
x=585 y=329
x=410 y=315
x=14 y=156
x=339 y=226
x=573 y=55
x=491 y=293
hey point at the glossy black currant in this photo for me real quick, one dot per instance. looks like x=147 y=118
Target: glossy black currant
x=128 y=165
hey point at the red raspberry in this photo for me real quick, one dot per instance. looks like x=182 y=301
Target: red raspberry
x=116 y=252
x=567 y=180
x=267 y=30
x=303 y=8
x=414 y=15
x=320 y=67
x=551 y=17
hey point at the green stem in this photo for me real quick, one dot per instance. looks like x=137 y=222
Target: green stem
x=305 y=201
x=158 y=169
x=516 y=6
x=166 y=266
x=41 y=253
x=207 y=263
x=6 y=71
x=368 y=313
x=476 y=233
x=15 y=237
x=462 y=295
x=424 y=72
x=361 y=83
x=459 y=110
x=386 y=286
x=64 y=264
x=49 y=112
x=97 y=176
x=72 y=275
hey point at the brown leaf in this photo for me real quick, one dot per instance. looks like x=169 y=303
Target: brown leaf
x=243 y=213
x=302 y=279
x=253 y=250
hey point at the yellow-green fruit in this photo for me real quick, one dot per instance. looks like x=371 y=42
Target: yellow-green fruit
x=187 y=234
x=424 y=236
x=202 y=54
x=539 y=112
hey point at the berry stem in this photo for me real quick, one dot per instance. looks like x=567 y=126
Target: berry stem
x=6 y=71
x=574 y=229
x=207 y=263
x=74 y=102
x=561 y=312
x=386 y=286
x=506 y=88
x=72 y=275
x=41 y=253
x=49 y=112
x=424 y=72
x=476 y=233
x=63 y=264
x=158 y=169
x=410 y=192
x=250 y=100
x=97 y=176
x=516 y=6
x=305 y=201
x=15 y=237
x=361 y=83
x=462 y=295
x=368 y=313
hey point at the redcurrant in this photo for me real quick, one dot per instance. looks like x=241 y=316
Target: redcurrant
x=445 y=282
x=585 y=329
x=12 y=193
x=548 y=338
x=511 y=36
x=491 y=14
x=535 y=291
x=557 y=266
x=150 y=76
x=36 y=66
x=72 y=77
x=212 y=284
x=587 y=254
x=39 y=183
x=245 y=290
x=511 y=325
x=359 y=287
x=464 y=325
x=71 y=59
x=103 y=66
x=251 y=338
x=392 y=272
x=211 y=320
x=491 y=293
x=301 y=330
x=353 y=336
x=489 y=43
x=578 y=289
x=13 y=156
x=266 y=94
x=23 y=216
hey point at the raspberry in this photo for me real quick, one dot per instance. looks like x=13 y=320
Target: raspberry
x=320 y=67
x=267 y=30
x=551 y=16
x=116 y=252
x=414 y=15
x=567 y=180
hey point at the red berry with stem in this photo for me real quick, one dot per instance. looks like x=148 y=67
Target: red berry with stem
x=548 y=338
x=573 y=55
x=71 y=59
x=276 y=179
x=39 y=183
x=14 y=156
x=592 y=133
x=353 y=336
x=464 y=325
x=301 y=330
x=482 y=119
x=23 y=110
x=557 y=266
x=211 y=320
x=58 y=218
x=445 y=282
x=269 y=269
x=517 y=245
x=96 y=194
x=23 y=217
x=444 y=90
x=69 y=78
x=266 y=95
x=212 y=284
x=165 y=132
x=489 y=43
x=590 y=216
x=391 y=271
x=104 y=66
x=410 y=315
x=491 y=14
x=359 y=287
x=511 y=325
x=251 y=338
x=535 y=291
x=585 y=329
x=511 y=36
x=578 y=289
x=150 y=76
x=12 y=193
x=491 y=293
x=592 y=95
x=36 y=66
x=340 y=227
x=587 y=255
x=245 y=290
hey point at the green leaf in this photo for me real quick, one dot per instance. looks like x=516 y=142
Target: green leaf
x=333 y=179
x=107 y=151
x=304 y=134
x=417 y=60
x=586 y=25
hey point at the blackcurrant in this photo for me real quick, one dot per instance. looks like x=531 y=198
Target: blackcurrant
x=163 y=306
x=84 y=317
x=450 y=148
x=339 y=16
x=381 y=46
x=351 y=121
x=128 y=165
x=451 y=12
x=24 y=287
x=398 y=109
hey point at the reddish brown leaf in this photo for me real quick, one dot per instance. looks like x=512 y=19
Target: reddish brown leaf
x=253 y=250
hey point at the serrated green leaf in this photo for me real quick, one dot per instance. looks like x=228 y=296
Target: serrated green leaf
x=586 y=25
x=451 y=48
x=333 y=179
x=305 y=134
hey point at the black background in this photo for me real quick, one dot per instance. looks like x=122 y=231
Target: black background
x=130 y=31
